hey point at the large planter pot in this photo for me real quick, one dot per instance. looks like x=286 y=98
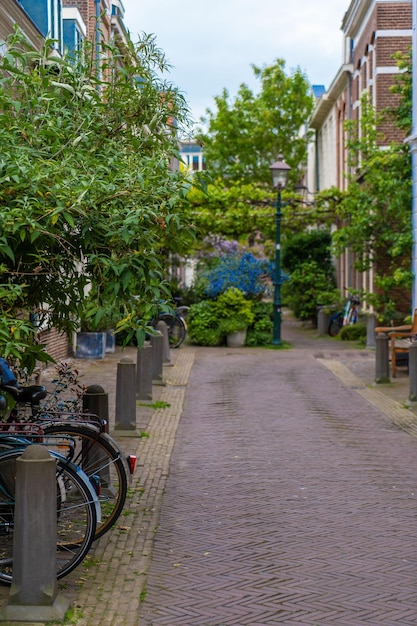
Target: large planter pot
x=110 y=341
x=237 y=339
x=90 y=345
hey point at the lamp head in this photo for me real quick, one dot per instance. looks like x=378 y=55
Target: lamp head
x=279 y=171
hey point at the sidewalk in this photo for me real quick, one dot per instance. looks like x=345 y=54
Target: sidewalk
x=119 y=561
x=107 y=590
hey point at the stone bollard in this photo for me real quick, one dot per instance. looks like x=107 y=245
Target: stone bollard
x=34 y=593
x=370 y=331
x=163 y=329
x=157 y=365
x=382 y=358
x=144 y=372
x=96 y=401
x=412 y=371
x=126 y=395
x=323 y=320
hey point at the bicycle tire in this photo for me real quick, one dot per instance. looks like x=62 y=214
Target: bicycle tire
x=335 y=325
x=182 y=311
x=102 y=461
x=76 y=515
x=177 y=329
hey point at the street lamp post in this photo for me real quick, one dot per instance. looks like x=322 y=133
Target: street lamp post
x=279 y=171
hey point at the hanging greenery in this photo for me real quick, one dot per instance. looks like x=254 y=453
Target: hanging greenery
x=86 y=192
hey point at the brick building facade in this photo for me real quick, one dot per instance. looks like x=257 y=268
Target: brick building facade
x=11 y=13
x=373 y=30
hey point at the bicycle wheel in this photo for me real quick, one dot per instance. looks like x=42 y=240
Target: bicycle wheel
x=176 y=329
x=101 y=459
x=182 y=311
x=336 y=323
x=76 y=515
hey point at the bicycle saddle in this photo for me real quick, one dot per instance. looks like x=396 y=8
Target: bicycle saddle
x=32 y=394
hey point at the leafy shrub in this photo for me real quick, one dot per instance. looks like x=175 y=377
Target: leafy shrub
x=260 y=331
x=210 y=321
x=234 y=311
x=308 y=287
x=308 y=257
x=353 y=332
x=203 y=324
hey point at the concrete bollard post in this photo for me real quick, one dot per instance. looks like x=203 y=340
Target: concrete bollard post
x=412 y=371
x=382 y=359
x=323 y=320
x=144 y=372
x=34 y=593
x=126 y=395
x=157 y=365
x=370 y=331
x=96 y=401
x=163 y=329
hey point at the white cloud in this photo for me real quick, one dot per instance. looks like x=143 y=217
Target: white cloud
x=212 y=43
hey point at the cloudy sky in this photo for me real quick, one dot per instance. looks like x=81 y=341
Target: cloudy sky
x=212 y=44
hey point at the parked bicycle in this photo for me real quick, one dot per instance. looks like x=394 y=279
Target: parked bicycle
x=349 y=315
x=78 y=507
x=177 y=325
x=94 y=451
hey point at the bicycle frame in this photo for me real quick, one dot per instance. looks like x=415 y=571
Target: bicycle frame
x=349 y=315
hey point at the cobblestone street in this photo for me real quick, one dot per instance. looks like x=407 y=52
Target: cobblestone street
x=272 y=487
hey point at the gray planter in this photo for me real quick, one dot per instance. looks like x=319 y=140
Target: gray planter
x=237 y=339
x=90 y=345
x=110 y=341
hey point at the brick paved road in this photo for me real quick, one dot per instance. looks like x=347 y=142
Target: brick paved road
x=290 y=500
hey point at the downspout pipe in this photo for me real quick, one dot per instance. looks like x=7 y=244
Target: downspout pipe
x=412 y=140
x=97 y=37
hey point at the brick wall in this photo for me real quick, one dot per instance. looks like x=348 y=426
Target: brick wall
x=387 y=46
x=395 y=16
x=373 y=53
x=12 y=13
x=57 y=343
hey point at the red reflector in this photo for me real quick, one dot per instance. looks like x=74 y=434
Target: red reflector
x=131 y=461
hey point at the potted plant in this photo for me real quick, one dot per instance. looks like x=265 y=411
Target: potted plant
x=96 y=336
x=235 y=314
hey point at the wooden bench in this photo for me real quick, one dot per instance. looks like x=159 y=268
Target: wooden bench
x=400 y=340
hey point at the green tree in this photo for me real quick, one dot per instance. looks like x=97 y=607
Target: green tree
x=245 y=136
x=307 y=256
x=86 y=193
x=375 y=212
x=246 y=212
x=315 y=245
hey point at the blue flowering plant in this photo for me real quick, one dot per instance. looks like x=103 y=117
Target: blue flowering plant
x=241 y=271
